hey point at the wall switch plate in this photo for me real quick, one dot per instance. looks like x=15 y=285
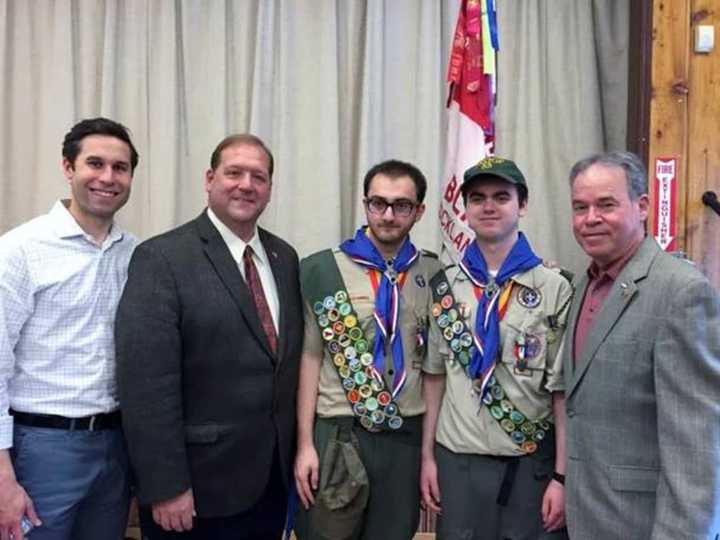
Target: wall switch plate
x=704 y=38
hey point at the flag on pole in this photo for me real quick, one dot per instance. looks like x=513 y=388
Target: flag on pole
x=471 y=133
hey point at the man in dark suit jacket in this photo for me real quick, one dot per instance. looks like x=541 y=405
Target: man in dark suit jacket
x=642 y=371
x=209 y=333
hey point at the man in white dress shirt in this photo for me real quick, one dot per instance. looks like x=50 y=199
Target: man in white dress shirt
x=63 y=463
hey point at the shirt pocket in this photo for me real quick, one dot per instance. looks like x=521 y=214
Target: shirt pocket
x=524 y=345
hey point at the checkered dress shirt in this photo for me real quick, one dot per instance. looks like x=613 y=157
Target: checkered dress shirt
x=58 y=296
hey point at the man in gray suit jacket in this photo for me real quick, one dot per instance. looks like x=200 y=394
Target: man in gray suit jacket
x=642 y=368
x=209 y=332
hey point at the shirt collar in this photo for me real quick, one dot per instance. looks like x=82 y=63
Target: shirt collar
x=613 y=271
x=526 y=279
x=65 y=226
x=237 y=245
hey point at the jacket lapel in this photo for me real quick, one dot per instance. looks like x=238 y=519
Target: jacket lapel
x=621 y=295
x=226 y=267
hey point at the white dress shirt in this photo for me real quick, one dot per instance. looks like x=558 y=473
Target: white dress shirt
x=59 y=292
x=236 y=245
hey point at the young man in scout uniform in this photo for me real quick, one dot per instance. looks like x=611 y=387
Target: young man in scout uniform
x=359 y=400
x=493 y=450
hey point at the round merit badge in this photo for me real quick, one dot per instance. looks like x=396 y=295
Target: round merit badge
x=442 y=288
x=529 y=298
x=395 y=422
x=366 y=359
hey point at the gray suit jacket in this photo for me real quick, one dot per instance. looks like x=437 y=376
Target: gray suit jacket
x=643 y=406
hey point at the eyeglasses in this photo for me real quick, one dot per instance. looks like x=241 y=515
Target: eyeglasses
x=400 y=208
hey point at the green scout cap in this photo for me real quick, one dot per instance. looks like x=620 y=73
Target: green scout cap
x=504 y=169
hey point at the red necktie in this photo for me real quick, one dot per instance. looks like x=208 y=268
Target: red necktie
x=255 y=285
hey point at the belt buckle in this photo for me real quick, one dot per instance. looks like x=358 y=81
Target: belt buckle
x=91 y=425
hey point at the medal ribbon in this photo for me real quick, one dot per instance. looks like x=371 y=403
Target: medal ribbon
x=487 y=320
x=387 y=298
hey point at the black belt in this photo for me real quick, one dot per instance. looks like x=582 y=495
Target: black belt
x=86 y=423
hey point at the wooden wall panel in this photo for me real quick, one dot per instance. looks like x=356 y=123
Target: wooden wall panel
x=685 y=122
x=702 y=240
x=668 y=102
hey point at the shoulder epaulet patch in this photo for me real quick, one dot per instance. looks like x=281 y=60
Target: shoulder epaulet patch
x=567 y=274
x=564 y=272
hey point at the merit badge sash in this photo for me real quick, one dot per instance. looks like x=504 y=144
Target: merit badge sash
x=345 y=342
x=449 y=316
x=362 y=251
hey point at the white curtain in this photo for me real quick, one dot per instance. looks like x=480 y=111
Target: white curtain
x=333 y=87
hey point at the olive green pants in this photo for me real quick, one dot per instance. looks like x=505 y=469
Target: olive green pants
x=390 y=506
x=471 y=485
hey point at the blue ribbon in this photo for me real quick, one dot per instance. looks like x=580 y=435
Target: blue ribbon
x=387 y=298
x=492 y=23
x=487 y=318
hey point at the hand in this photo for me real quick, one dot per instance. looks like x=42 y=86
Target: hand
x=429 y=487
x=307 y=467
x=14 y=504
x=175 y=514
x=553 y=506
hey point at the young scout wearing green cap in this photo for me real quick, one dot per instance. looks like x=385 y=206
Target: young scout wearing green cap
x=493 y=450
x=360 y=404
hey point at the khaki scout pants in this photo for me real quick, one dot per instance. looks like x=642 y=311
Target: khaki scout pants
x=392 y=463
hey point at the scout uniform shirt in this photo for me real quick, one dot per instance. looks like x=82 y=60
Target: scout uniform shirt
x=415 y=300
x=465 y=424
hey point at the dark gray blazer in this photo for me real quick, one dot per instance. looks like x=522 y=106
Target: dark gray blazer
x=205 y=402
x=643 y=407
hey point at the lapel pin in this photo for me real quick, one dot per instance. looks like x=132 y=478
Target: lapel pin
x=625 y=292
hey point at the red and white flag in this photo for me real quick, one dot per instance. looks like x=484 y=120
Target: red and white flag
x=470 y=121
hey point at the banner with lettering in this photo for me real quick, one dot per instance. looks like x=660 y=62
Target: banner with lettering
x=471 y=134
